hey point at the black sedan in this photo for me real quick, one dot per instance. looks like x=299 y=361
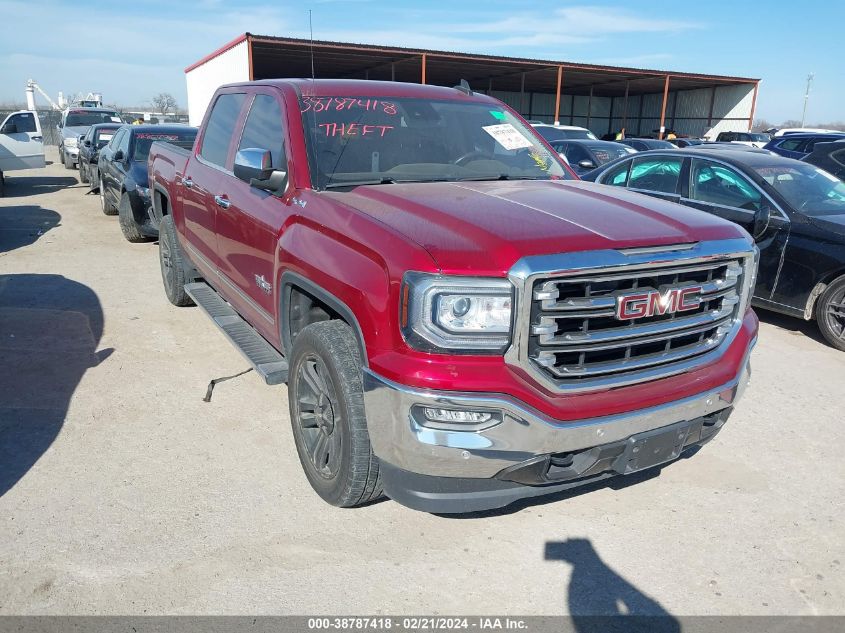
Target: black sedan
x=584 y=156
x=829 y=156
x=124 y=188
x=794 y=211
x=92 y=142
x=646 y=144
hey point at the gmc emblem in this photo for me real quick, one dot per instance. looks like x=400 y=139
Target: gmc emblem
x=649 y=303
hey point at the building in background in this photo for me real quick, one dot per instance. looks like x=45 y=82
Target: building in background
x=604 y=99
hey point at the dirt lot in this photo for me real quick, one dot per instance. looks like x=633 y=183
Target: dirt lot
x=122 y=492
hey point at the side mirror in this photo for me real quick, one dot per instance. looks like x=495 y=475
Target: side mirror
x=255 y=166
x=586 y=164
x=118 y=155
x=9 y=128
x=87 y=143
x=761 y=221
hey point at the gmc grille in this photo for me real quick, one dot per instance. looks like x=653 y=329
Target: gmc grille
x=576 y=338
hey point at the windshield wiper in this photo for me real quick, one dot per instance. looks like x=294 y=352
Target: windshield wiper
x=499 y=177
x=387 y=180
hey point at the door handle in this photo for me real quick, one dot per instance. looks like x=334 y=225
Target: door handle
x=222 y=202
x=37 y=138
x=188 y=183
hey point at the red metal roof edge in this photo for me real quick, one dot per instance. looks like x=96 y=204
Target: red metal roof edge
x=240 y=38
x=497 y=58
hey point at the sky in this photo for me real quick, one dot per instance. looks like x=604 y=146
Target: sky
x=131 y=51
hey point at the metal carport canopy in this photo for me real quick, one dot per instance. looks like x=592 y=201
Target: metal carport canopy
x=272 y=57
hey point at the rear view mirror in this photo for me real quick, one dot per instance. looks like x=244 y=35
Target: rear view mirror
x=255 y=166
x=761 y=221
x=9 y=128
x=586 y=164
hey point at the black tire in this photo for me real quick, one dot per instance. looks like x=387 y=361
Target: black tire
x=65 y=159
x=326 y=399
x=830 y=313
x=128 y=225
x=105 y=205
x=83 y=172
x=2 y=186
x=172 y=264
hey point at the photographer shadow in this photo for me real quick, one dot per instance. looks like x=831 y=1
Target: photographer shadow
x=600 y=600
x=50 y=328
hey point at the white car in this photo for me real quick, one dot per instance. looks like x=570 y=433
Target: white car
x=804 y=130
x=21 y=143
x=752 y=139
x=554 y=133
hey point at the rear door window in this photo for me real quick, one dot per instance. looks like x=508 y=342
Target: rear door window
x=792 y=144
x=656 y=174
x=218 y=131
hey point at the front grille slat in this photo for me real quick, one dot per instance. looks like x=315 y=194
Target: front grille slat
x=591 y=343
x=575 y=335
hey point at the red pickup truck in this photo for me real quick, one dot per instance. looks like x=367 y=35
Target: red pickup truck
x=461 y=323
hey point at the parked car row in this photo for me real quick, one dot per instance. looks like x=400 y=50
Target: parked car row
x=113 y=161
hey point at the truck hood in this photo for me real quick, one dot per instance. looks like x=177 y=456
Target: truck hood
x=485 y=227
x=74 y=131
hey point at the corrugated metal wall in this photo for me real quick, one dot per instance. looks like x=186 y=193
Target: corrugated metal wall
x=228 y=67
x=687 y=111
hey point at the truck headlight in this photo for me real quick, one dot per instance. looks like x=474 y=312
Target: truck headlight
x=70 y=142
x=144 y=192
x=446 y=313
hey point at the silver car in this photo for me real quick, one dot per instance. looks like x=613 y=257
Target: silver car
x=75 y=122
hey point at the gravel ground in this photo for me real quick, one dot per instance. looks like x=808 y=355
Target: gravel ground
x=122 y=492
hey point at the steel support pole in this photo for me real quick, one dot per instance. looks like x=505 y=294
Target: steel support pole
x=557 y=94
x=663 y=108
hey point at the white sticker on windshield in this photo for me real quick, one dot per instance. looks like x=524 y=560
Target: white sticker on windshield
x=507 y=136
x=116 y=119
x=106 y=137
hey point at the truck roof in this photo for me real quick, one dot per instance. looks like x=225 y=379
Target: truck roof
x=364 y=88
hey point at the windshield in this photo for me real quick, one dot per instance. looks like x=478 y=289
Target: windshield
x=607 y=152
x=364 y=140
x=808 y=189
x=760 y=138
x=84 y=118
x=143 y=141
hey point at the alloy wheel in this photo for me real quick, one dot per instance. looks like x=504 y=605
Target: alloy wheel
x=318 y=416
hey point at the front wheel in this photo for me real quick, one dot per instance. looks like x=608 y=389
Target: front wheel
x=83 y=172
x=830 y=313
x=326 y=400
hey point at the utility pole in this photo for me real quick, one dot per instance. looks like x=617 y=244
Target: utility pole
x=806 y=97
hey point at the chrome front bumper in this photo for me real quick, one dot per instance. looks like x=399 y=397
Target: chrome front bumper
x=524 y=433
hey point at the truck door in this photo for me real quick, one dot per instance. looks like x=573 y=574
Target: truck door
x=205 y=175
x=21 y=143
x=249 y=222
